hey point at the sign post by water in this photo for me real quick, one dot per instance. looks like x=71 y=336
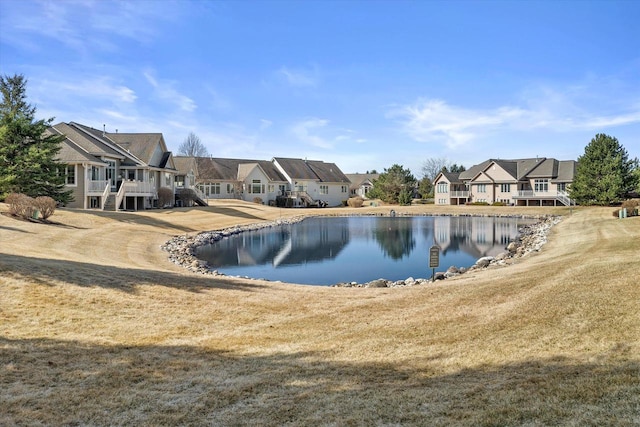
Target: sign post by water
x=434 y=260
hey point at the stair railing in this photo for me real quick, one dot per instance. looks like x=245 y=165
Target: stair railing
x=105 y=194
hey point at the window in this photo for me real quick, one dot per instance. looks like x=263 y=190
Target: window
x=505 y=188
x=324 y=189
x=70 y=175
x=541 y=185
x=345 y=188
x=562 y=186
x=482 y=188
x=255 y=186
x=179 y=180
x=215 y=188
x=95 y=173
x=272 y=188
x=230 y=189
x=111 y=172
x=443 y=187
x=167 y=180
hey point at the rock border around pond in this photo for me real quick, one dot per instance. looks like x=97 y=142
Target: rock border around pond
x=532 y=237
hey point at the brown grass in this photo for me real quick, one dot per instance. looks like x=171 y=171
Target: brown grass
x=98 y=328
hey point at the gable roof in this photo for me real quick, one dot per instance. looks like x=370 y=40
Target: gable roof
x=315 y=170
x=88 y=142
x=219 y=169
x=142 y=145
x=72 y=153
x=359 y=179
x=185 y=164
x=525 y=169
x=566 y=170
x=474 y=170
x=452 y=177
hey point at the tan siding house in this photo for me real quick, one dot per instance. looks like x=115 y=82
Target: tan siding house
x=522 y=182
x=112 y=170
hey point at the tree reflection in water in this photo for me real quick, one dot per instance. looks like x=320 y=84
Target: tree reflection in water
x=395 y=236
x=325 y=251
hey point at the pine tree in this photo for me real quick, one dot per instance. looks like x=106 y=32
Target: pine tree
x=394 y=185
x=604 y=173
x=28 y=152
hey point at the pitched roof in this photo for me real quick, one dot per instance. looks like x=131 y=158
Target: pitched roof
x=315 y=170
x=327 y=172
x=71 y=153
x=357 y=179
x=452 y=177
x=474 y=170
x=88 y=142
x=525 y=169
x=141 y=145
x=566 y=170
x=219 y=169
x=185 y=164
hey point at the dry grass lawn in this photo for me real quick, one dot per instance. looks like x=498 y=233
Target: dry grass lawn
x=98 y=328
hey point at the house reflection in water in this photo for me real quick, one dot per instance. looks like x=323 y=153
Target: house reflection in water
x=308 y=241
x=476 y=236
x=331 y=250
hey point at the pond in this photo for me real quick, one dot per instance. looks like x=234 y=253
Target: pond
x=330 y=250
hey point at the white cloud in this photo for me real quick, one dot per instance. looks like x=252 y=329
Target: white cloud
x=165 y=90
x=85 y=25
x=434 y=120
x=429 y=120
x=300 y=78
x=265 y=124
x=306 y=131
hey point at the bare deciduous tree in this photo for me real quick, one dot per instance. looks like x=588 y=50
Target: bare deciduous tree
x=433 y=166
x=193 y=147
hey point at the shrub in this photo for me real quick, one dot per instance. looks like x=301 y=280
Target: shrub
x=46 y=205
x=498 y=204
x=355 y=202
x=21 y=205
x=257 y=200
x=631 y=206
x=165 y=197
x=477 y=203
x=187 y=196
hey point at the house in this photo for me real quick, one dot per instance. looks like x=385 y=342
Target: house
x=244 y=179
x=281 y=181
x=522 y=182
x=361 y=183
x=313 y=182
x=114 y=170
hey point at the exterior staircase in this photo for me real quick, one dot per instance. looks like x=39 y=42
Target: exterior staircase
x=110 y=204
x=564 y=198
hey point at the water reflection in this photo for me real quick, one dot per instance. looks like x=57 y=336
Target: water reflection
x=395 y=236
x=332 y=250
x=477 y=236
x=308 y=241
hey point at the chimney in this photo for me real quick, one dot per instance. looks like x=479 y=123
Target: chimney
x=104 y=129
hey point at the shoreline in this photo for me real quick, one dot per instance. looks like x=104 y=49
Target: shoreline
x=532 y=237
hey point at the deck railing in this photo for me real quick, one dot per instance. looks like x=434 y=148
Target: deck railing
x=97 y=186
x=459 y=194
x=559 y=195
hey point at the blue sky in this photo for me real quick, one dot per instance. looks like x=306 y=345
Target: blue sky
x=364 y=84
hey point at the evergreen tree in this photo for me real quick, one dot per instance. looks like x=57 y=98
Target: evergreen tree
x=394 y=185
x=604 y=173
x=28 y=152
x=455 y=168
x=425 y=188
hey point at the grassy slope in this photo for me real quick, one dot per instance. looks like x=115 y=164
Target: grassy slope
x=96 y=327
